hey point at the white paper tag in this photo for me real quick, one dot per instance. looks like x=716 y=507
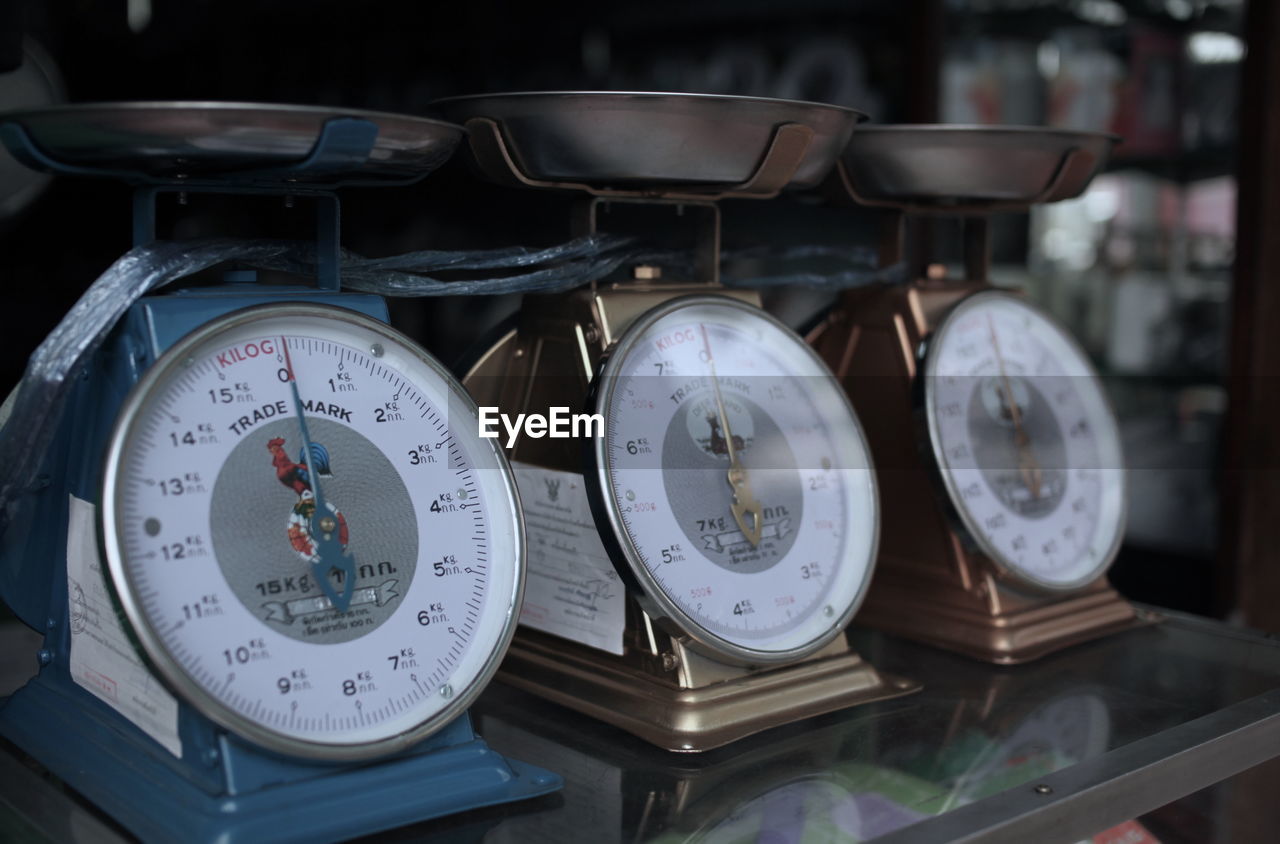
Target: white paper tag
x=572 y=589
x=103 y=660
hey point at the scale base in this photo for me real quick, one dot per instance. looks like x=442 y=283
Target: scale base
x=685 y=718
x=1005 y=628
x=139 y=784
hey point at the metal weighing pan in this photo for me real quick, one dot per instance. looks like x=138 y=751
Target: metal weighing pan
x=632 y=139
x=978 y=166
x=208 y=138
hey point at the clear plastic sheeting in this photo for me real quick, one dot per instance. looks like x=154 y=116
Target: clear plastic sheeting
x=514 y=256
x=35 y=407
x=570 y=265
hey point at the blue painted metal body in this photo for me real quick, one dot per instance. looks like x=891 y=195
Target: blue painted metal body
x=222 y=788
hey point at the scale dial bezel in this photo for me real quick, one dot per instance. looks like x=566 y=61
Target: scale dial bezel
x=960 y=518
x=626 y=558
x=157 y=655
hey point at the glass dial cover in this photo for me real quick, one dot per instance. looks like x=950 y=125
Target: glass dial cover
x=212 y=532
x=1026 y=442
x=735 y=481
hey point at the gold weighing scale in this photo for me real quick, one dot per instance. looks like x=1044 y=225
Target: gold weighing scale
x=728 y=512
x=1001 y=476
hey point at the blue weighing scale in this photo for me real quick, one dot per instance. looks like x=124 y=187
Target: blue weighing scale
x=201 y=771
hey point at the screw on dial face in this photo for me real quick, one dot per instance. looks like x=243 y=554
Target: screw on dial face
x=736 y=480
x=285 y=524
x=1028 y=448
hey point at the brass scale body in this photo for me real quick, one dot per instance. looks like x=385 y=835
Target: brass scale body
x=660 y=689
x=931 y=583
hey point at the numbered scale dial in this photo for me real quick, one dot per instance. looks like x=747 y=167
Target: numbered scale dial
x=335 y=589
x=1027 y=445
x=735 y=481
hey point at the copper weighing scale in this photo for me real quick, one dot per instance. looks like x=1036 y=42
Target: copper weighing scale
x=682 y=667
x=999 y=461
x=257 y=625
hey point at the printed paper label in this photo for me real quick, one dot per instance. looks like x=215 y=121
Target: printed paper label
x=103 y=660
x=572 y=589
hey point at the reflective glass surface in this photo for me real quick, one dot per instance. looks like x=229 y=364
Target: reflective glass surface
x=976 y=731
x=978 y=736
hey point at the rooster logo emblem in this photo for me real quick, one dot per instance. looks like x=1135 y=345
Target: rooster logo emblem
x=717 y=443
x=296 y=477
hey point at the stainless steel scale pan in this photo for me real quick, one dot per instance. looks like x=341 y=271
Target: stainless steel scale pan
x=629 y=139
x=981 y=166
x=204 y=138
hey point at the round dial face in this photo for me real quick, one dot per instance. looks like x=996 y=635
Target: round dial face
x=312 y=544
x=736 y=480
x=1028 y=447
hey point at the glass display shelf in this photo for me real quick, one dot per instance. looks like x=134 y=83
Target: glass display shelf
x=1057 y=750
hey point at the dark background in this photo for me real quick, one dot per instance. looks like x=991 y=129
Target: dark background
x=401 y=56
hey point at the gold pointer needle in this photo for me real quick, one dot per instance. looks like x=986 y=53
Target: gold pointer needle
x=746 y=510
x=1028 y=466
